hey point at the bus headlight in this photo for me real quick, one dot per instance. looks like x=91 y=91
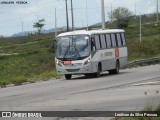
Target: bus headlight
x=58 y=63
x=87 y=61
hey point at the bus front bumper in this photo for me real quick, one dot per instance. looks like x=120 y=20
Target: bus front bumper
x=84 y=69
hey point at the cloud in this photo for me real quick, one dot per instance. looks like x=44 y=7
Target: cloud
x=13 y=15
x=148 y=7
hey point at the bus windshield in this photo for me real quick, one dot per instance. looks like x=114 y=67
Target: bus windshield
x=73 y=47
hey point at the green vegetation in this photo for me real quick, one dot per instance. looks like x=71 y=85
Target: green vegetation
x=22 y=62
x=31 y=58
x=121 y=17
x=150 y=44
x=39 y=25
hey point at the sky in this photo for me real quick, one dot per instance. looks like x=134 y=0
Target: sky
x=14 y=16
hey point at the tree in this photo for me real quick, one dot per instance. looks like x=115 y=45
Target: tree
x=121 y=17
x=39 y=25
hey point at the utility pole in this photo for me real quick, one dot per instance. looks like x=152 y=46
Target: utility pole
x=67 y=16
x=111 y=11
x=87 y=14
x=55 y=24
x=22 y=28
x=135 y=13
x=157 y=12
x=140 y=24
x=72 y=16
x=103 y=14
x=135 y=7
x=82 y=23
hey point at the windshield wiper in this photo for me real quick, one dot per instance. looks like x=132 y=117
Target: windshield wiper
x=77 y=51
x=67 y=50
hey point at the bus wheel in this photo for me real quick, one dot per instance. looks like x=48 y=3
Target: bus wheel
x=116 y=70
x=87 y=75
x=68 y=76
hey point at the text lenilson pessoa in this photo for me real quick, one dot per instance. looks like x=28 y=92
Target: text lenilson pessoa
x=13 y=2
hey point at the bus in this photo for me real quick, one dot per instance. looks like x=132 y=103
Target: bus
x=90 y=52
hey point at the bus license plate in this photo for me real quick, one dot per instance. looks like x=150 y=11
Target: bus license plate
x=67 y=62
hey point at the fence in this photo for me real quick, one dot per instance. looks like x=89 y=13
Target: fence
x=142 y=62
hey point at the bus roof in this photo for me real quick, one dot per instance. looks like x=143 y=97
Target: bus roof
x=90 y=32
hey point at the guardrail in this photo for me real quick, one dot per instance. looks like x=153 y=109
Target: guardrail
x=142 y=62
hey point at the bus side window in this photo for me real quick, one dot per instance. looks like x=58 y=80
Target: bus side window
x=103 y=42
x=119 y=40
x=113 y=39
x=123 y=39
x=108 y=41
x=97 y=42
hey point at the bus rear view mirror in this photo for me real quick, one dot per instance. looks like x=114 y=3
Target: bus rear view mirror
x=92 y=42
x=92 y=45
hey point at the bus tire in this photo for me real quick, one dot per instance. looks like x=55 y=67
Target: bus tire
x=68 y=76
x=87 y=75
x=116 y=70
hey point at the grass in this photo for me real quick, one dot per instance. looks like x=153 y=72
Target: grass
x=31 y=58
x=150 y=44
x=33 y=61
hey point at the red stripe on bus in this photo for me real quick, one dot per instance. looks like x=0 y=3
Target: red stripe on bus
x=116 y=52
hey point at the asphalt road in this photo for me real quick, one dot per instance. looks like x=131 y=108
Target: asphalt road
x=130 y=90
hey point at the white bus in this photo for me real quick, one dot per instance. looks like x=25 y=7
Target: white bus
x=90 y=52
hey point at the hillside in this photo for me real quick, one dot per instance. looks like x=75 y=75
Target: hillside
x=31 y=58
x=150 y=44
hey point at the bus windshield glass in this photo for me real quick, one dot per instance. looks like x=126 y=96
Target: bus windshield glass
x=73 y=47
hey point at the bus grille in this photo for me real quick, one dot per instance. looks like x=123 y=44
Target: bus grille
x=72 y=70
x=75 y=65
